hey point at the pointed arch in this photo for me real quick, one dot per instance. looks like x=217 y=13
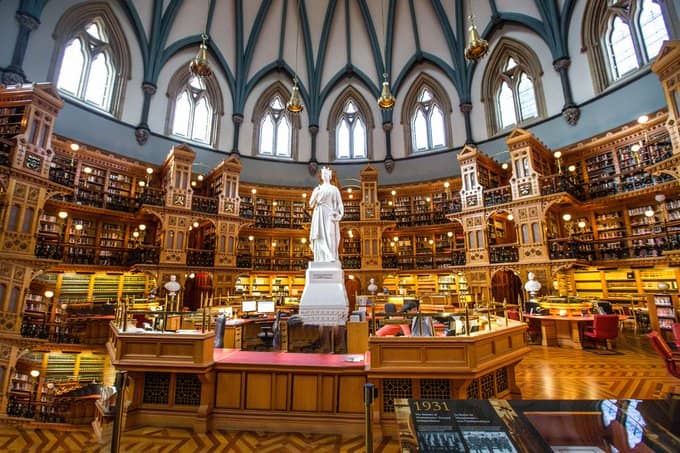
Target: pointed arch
x=437 y=103
x=72 y=25
x=336 y=115
x=263 y=111
x=604 y=56
x=512 y=71
x=181 y=82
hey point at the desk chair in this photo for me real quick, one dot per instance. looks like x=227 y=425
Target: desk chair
x=266 y=336
x=605 y=327
x=671 y=359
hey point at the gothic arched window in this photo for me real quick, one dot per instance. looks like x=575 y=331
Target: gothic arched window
x=92 y=61
x=194 y=107
x=511 y=87
x=623 y=36
x=350 y=126
x=276 y=130
x=427 y=123
x=351 y=134
x=426 y=115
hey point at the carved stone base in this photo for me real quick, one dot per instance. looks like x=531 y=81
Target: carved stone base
x=13 y=76
x=571 y=113
x=324 y=300
x=142 y=134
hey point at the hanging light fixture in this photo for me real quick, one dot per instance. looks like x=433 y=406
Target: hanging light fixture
x=386 y=100
x=294 y=104
x=199 y=66
x=476 y=47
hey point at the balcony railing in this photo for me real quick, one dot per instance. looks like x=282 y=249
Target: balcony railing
x=498 y=195
x=151 y=196
x=200 y=257
x=204 y=204
x=560 y=183
x=503 y=254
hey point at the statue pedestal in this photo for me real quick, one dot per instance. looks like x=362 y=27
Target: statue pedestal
x=324 y=300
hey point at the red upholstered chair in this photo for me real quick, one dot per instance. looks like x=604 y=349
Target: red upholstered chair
x=671 y=359
x=605 y=327
x=513 y=314
x=676 y=334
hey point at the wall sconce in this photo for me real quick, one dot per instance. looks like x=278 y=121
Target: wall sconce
x=511 y=217
x=87 y=170
x=251 y=238
x=62 y=215
x=450 y=234
x=566 y=217
x=581 y=223
x=253 y=191
x=649 y=212
x=79 y=227
x=195 y=224
x=74 y=147
x=505 y=166
x=395 y=238
x=35 y=374
x=303 y=240
x=49 y=294
x=304 y=195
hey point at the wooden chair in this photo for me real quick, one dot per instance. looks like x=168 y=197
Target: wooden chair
x=605 y=327
x=671 y=359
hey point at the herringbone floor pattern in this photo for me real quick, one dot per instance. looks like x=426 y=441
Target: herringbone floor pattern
x=634 y=371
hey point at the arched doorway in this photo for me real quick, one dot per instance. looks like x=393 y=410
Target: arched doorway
x=507 y=286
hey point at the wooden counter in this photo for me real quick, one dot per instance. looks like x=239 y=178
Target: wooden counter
x=479 y=366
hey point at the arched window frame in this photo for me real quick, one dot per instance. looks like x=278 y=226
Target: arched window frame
x=412 y=104
x=336 y=115
x=72 y=25
x=596 y=28
x=262 y=108
x=495 y=74
x=180 y=82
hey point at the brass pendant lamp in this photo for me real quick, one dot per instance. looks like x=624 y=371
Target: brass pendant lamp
x=386 y=99
x=476 y=47
x=294 y=104
x=199 y=66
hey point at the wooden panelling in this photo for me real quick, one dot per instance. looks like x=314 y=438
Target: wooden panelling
x=228 y=391
x=350 y=395
x=280 y=397
x=327 y=393
x=258 y=391
x=305 y=392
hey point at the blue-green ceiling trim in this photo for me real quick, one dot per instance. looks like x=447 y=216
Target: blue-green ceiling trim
x=456 y=72
x=33 y=8
x=389 y=39
x=162 y=26
x=494 y=7
x=238 y=64
x=136 y=22
x=208 y=20
x=283 y=30
x=255 y=35
x=372 y=38
x=348 y=35
x=346 y=72
x=415 y=60
x=414 y=25
x=565 y=22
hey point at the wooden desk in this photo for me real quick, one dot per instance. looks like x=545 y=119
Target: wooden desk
x=563 y=331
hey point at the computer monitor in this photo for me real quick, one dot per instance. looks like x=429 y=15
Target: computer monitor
x=266 y=306
x=248 y=306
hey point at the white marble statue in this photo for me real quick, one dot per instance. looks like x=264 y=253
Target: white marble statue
x=532 y=285
x=172 y=286
x=324 y=234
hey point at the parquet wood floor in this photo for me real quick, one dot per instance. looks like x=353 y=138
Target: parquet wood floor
x=634 y=371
